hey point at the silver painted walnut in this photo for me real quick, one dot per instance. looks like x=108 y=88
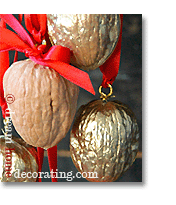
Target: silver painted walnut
x=45 y=102
x=104 y=140
x=91 y=37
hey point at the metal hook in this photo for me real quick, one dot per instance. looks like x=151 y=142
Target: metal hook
x=103 y=95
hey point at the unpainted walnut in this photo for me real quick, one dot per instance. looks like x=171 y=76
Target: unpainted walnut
x=45 y=102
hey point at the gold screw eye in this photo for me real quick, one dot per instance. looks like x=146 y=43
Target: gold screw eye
x=103 y=96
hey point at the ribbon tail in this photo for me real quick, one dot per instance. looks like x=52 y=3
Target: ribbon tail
x=111 y=67
x=16 y=26
x=52 y=159
x=10 y=41
x=40 y=152
x=20 y=17
x=76 y=76
x=69 y=72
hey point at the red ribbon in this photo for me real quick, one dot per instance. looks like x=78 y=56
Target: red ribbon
x=4 y=65
x=57 y=57
x=36 y=25
x=111 y=67
x=52 y=159
x=40 y=152
x=20 y=17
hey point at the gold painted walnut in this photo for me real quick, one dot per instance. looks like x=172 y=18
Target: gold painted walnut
x=45 y=102
x=104 y=140
x=17 y=157
x=91 y=37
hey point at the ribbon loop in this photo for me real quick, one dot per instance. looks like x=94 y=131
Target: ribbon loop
x=36 y=24
x=111 y=67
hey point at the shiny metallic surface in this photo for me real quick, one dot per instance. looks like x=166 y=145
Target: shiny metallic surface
x=91 y=37
x=23 y=159
x=104 y=140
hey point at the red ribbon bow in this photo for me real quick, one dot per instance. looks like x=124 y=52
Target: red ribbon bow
x=56 y=57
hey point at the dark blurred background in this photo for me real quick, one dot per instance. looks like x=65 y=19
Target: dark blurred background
x=127 y=89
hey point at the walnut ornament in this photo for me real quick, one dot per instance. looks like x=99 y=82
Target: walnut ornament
x=45 y=102
x=104 y=139
x=18 y=162
x=91 y=37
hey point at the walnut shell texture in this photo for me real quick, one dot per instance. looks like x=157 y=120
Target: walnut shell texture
x=91 y=37
x=104 y=140
x=45 y=102
x=23 y=159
